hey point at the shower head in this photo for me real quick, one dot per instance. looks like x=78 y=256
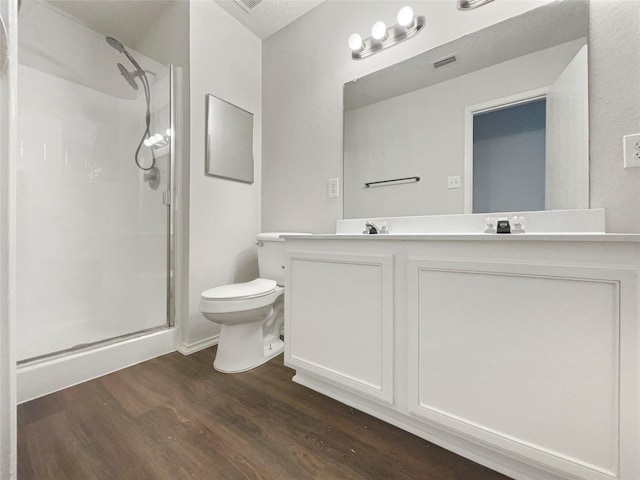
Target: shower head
x=115 y=44
x=128 y=76
x=120 y=48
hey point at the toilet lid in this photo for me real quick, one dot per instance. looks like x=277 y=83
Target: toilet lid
x=254 y=288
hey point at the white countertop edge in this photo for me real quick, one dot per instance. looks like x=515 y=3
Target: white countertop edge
x=538 y=237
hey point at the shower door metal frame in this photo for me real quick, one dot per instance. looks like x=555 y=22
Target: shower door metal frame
x=8 y=142
x=171 y=198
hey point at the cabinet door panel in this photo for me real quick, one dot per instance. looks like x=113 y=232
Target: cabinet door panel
x=339 y=319
x=523 y=356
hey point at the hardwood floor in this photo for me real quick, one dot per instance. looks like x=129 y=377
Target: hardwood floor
x=175 y=417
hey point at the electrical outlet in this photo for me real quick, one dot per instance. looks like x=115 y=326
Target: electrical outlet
x=333 y=188
x=631 y=150
x=454 y=182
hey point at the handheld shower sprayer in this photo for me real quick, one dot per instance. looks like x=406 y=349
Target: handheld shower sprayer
x=115 y=44
x=130 y=77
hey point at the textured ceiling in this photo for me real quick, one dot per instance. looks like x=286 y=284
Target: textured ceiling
x=269 y=16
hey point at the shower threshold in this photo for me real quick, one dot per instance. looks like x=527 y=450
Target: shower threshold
x=88 y=346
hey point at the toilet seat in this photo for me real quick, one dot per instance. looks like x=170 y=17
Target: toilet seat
x=238 y=297
x=254 y=288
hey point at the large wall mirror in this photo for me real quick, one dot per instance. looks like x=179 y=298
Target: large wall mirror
x=229 y=141
x=495 y=121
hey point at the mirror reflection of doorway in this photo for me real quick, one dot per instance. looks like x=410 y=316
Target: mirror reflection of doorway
x=509 y=158
x=553 y=121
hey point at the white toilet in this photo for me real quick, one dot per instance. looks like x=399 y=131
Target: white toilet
x=251 y=313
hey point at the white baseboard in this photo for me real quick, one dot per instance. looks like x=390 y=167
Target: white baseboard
x=189 y=348
x=47 y=376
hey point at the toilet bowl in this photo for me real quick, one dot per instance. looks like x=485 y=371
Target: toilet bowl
x=251 y=314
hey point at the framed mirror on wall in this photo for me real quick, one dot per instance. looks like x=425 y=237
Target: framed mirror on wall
x=494 y=121
x=229 y=141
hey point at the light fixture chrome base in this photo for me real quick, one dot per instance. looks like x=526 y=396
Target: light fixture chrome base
x=395 y=35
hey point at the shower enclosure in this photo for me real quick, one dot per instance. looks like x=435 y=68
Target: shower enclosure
x=93 y=188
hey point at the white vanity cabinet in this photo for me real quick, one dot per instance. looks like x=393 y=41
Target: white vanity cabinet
x=519 y=353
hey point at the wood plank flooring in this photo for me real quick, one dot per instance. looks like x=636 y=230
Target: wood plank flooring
x=175 y=417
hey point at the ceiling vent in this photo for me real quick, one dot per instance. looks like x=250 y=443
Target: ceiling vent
x=445 y=61
x=248 y=5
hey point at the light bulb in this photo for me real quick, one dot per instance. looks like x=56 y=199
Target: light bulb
x=149 y=141
x=158 y=138
x=379 y=30
x=355 y=42
x=405 y=17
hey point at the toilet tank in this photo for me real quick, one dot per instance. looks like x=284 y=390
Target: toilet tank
x=271 y=256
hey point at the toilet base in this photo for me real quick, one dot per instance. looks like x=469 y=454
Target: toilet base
x=243 y=347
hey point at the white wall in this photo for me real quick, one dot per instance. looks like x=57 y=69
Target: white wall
x=567 y=137
x=302 y=92
x=424 y=133
x=304 y=68
x=224 y=216
x=614 y=109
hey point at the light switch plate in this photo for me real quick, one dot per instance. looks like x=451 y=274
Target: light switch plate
x=454 y=182
x=631 y=145
x=333 y=187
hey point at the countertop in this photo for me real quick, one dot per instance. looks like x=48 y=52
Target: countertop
x=490 y=237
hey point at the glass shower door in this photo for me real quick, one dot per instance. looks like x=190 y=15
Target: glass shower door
x=93 y=170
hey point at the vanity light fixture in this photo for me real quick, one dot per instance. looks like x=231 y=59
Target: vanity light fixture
x=382 y=37
x=406 y=17
x=379 y=31
x=355 y=42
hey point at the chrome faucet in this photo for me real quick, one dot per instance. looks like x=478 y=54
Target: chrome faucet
x=370 y=228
